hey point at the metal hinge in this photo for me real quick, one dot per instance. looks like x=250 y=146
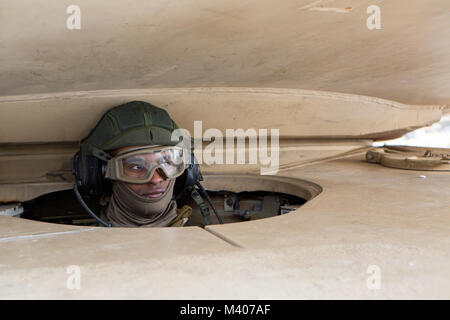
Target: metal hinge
x=411 y=158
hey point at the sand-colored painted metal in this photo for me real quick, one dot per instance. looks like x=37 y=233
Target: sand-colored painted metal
x=234 y=43
x=310 y=68
x=366 y=215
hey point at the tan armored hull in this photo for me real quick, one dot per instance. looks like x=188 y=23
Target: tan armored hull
x=311 y=69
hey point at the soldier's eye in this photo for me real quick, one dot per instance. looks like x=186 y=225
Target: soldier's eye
x=136 y=167
x=135 y=164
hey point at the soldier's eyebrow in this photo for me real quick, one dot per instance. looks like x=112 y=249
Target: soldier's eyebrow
x=135 y=159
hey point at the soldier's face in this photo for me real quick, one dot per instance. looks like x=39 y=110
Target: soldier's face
x=152 y=189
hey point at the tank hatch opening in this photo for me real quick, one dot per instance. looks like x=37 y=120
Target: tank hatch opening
x=62 y=207
x=237 y=198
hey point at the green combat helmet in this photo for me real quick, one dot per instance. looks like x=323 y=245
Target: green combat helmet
x=131 y=124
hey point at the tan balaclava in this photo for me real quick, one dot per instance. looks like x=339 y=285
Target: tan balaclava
x=128 y=209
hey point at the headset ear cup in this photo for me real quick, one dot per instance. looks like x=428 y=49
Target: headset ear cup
x=89 y=175
x=180 y=185
x=105 y=184
x=196 y=174
x=96 y=183
x=188 y=179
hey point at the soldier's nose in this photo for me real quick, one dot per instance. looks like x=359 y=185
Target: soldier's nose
x=157 y=178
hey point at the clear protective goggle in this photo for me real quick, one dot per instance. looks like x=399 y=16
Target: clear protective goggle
x=138 y=165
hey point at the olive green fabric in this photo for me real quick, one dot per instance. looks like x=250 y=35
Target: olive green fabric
x=131 y=124
x=183 y=215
